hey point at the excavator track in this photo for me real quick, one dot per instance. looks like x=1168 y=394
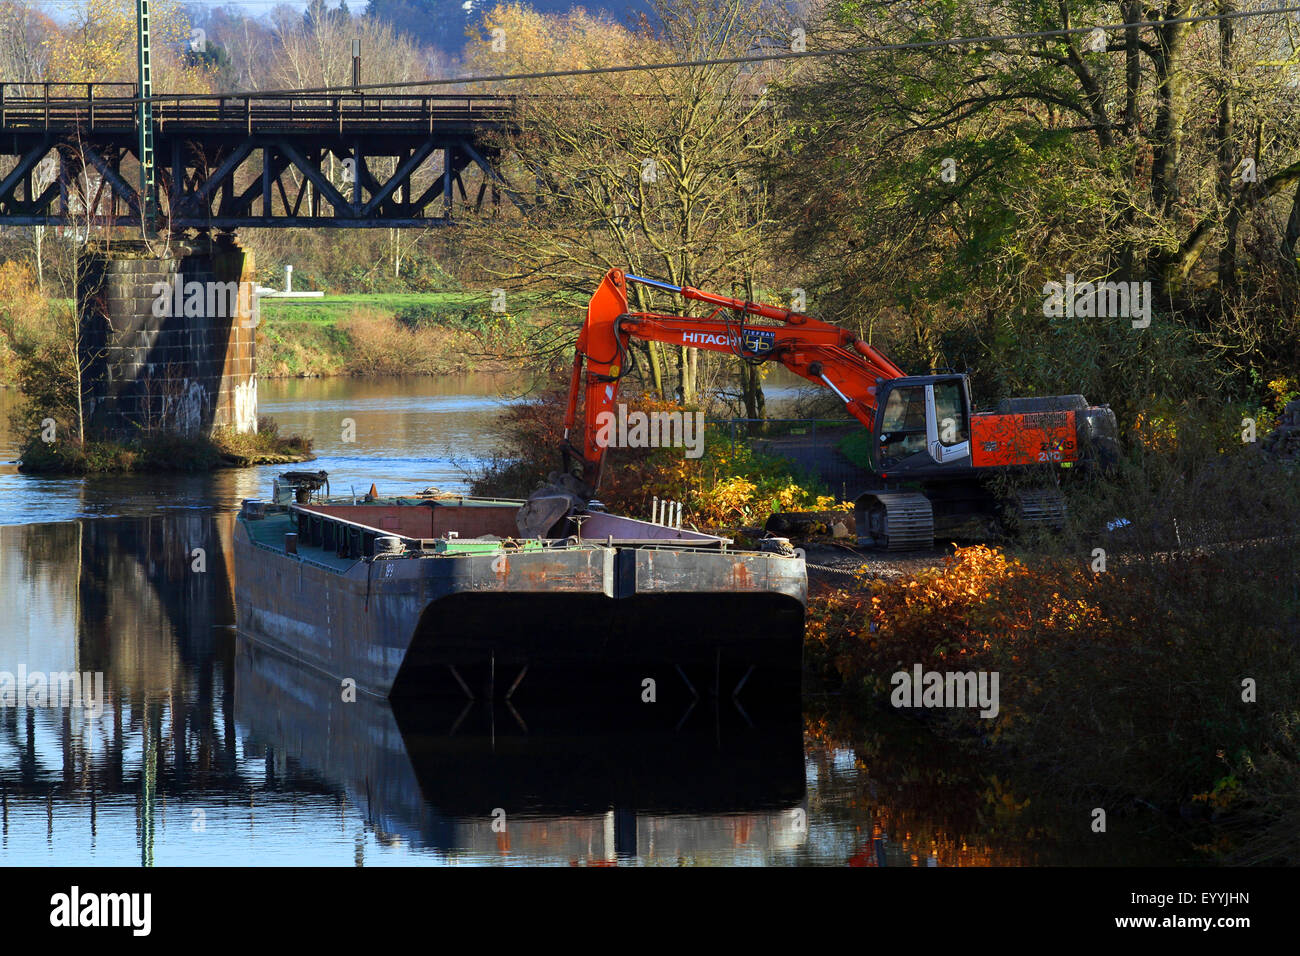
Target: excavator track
x=1040 y=508
x=895 y=521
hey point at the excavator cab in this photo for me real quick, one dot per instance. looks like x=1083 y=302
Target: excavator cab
x=922 y=423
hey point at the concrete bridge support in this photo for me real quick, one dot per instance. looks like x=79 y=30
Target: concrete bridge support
x=168 y=342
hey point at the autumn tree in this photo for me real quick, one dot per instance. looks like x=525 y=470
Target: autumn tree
x=936 y=189
x=652 y=171
x=98 y=44
x=313 y=49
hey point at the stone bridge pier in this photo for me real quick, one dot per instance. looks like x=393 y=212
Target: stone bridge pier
x=167 y=341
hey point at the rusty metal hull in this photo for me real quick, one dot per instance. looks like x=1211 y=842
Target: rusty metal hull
x=394 y=623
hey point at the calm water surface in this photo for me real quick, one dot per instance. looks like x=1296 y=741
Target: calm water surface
x=409 y=434
x=207 y=752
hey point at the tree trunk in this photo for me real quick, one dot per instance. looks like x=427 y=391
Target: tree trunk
x=686 y=376
x=656 y=368
x=1132 y=68
x=1291 y=256
x=1170 y=108
x=1128 y=256
x=751 y=379
x=652 y=348
x=1229 y=162
x=1291 y=238
x=752 y=386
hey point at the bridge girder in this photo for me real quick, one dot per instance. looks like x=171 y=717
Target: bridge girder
x=225 y=166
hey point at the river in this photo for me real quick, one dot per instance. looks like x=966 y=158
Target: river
x=201 y=752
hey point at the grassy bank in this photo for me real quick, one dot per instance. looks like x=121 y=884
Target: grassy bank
x=442 y=333
x=393 y=334
x=225 y=449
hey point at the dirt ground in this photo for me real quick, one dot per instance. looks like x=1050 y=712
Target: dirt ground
x=833 y=564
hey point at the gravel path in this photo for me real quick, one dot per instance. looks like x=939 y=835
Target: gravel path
x=827 y=562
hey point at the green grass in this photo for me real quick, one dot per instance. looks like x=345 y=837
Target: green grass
x=330 y=309
x=857 y=448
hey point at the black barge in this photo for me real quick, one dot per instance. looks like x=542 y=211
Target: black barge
x=405 y=595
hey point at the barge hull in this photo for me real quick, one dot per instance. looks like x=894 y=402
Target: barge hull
x=392 y=624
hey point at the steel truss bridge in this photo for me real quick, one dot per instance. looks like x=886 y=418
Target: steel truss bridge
x=68 y=157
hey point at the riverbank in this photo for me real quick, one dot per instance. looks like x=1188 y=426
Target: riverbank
x=410 y=433
x=382 y=335
x=167 y=453
x=1152 y=672
x=379 y=335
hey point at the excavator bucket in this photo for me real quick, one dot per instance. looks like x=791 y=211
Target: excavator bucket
x=540 y=513
x=561 y=496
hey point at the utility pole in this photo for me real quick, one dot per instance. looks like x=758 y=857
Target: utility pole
x=144 y=116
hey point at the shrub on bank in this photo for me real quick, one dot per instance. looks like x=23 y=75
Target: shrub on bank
x=1125 y=686
x=1167 y=673
x=367 y=343
x=166 y=452
x=726 y=487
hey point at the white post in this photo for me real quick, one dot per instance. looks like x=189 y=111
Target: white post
x=288 y=278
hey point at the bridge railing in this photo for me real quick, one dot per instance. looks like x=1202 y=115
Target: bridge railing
x=44 y=102
x=64 y=90
x=113 y=105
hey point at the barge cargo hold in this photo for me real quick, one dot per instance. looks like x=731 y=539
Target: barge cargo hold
x=401 y=595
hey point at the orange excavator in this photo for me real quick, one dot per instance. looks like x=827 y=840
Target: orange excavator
x=932 y=454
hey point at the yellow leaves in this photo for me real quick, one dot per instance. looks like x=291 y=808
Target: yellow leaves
x=1158 y=432
x=516 y=38
x=733 y=497
x=98 y=45
x=1282 y=387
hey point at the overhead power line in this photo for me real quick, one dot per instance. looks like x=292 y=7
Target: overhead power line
x=750 y=57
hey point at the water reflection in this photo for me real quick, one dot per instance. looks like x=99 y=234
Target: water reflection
x=210 y=747
x=409 y=433
x=210 y=751
x=530 y=780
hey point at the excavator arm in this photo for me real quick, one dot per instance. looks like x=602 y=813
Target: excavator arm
x=824 y=354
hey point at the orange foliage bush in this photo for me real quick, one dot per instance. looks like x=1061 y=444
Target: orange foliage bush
x=1127 y=682
x=978 y=611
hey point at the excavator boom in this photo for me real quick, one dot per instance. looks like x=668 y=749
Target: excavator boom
x=824 y=354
